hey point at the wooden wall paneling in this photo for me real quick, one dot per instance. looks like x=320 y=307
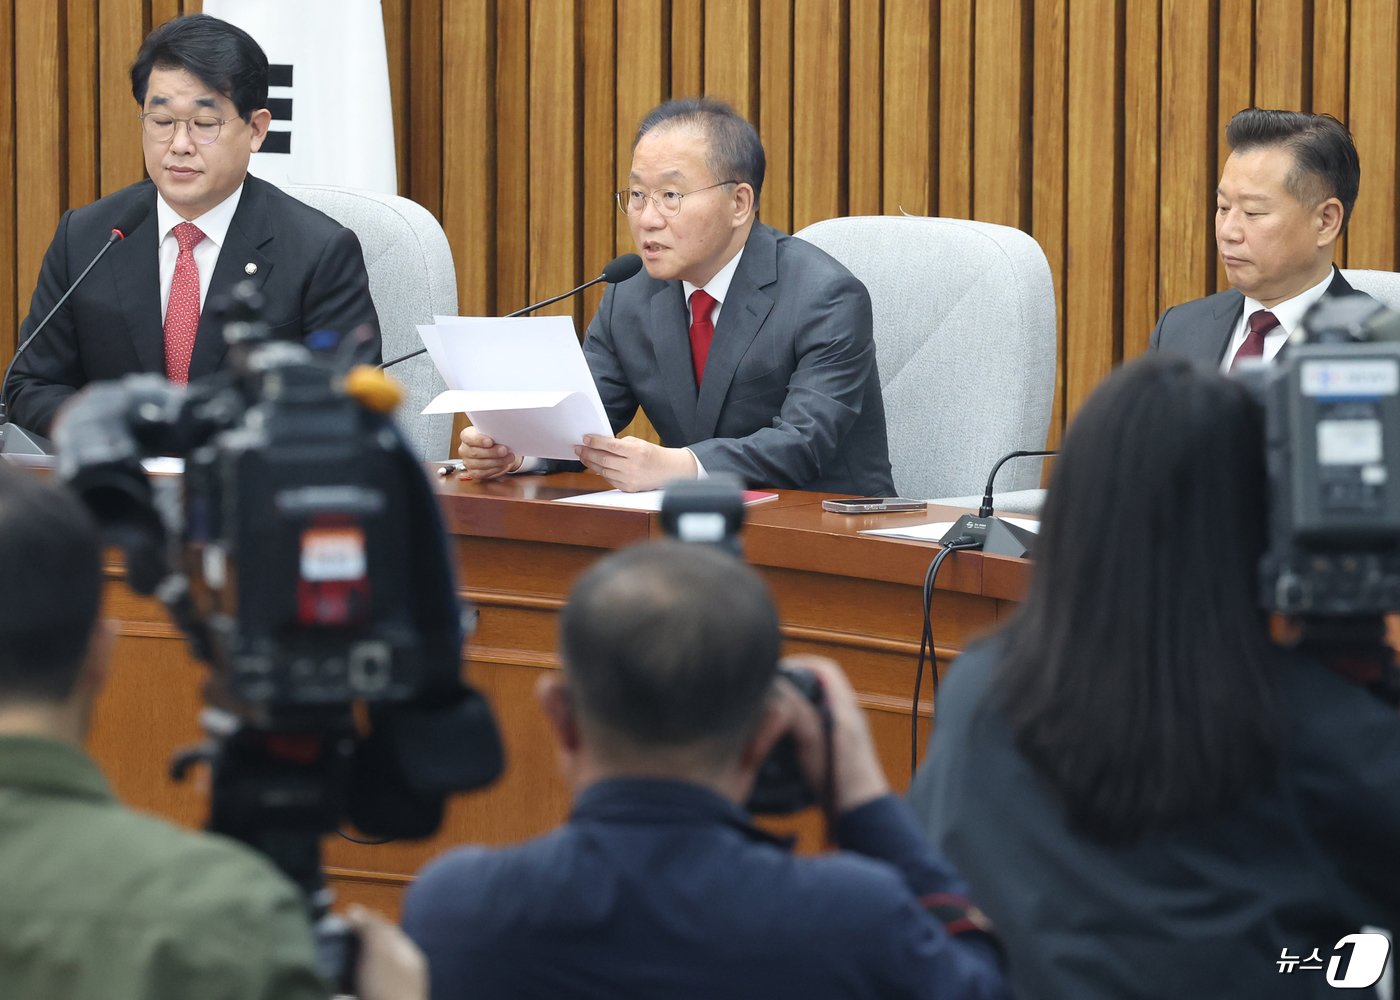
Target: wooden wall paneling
x=39 y=133
x=396 y=40
x=866 y=109
x=1187 y=256
x=468 y=140
x=1001 y=100
x=80 y=112
x=1235 y=88
x=121 y=28
x=910 y=115
x=688 y=47
x=428 y=117
x=599 y=126
x=1094 y=207
x=1283 y=61
x=1143 y=45
x=1372 y=102
x=1049 y=167
x=512 y=149
x=556 y=172
x=11 y=310
x=643 y=51
x=818 y=111
x=955 y=122
x=775 y=68
x=730 y=70
x=164 y=10
x=1329 y=71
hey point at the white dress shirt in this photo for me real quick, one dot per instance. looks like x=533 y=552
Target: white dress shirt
x=213 y=224
x=1289 y=314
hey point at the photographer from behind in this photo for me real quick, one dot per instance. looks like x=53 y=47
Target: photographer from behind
x=659 y=884
x=98 y=900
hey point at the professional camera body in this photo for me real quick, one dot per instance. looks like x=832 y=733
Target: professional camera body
x=302 y=553
x=1332 y=418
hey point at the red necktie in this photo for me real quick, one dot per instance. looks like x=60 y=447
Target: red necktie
x=1260 y=323
x=702 y=331
x=182 y=309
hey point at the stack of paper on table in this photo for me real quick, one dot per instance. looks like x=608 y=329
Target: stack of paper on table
x=523 y=382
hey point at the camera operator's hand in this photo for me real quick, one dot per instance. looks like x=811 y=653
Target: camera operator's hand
x=857 y=777
x=390 y=966
x=483 y=458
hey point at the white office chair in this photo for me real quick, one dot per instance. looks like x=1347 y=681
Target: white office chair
x=965 y=339
x=1383 y=286
x=411 y=279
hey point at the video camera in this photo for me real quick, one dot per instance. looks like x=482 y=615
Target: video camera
x=1332 y=431
x=303 y=555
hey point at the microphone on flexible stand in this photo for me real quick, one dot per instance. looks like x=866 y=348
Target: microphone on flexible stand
x=15 y=440
x=994 y=535
x=617 y=269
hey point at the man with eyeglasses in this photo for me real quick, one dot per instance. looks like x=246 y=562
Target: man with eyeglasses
x=198 y=226
x=750 y=351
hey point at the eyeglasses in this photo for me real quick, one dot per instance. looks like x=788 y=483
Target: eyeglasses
x=633 y=201
x=202 y=129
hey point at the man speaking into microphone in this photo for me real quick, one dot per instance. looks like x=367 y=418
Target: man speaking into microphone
x=749 y=350
x=198 y=226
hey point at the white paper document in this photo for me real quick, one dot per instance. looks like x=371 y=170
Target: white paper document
x=524 y=381
x=933 y=532
x=645 y=500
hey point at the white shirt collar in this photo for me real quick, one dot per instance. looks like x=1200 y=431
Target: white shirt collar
x=213 y=223
x=1289 y=312
x=718 y=286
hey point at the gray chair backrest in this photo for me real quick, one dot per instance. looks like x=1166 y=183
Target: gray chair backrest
x=1383 y=286
x=411 y=279
x=965 y=340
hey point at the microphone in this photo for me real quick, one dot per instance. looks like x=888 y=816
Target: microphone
x=617 y=269
x=994 y=535
x=13 y=438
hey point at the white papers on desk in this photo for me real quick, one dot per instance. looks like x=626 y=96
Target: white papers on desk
x=523 y=382
x=933 y=532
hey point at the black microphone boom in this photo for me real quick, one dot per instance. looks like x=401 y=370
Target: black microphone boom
x=993 y=534
x=14 y=439
x=617 y=269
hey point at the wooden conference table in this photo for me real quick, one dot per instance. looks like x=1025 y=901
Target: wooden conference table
x=852 y=597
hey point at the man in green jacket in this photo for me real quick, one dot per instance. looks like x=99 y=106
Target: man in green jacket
x=97 y=900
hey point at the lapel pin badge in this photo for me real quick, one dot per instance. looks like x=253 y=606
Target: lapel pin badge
x=250 y=268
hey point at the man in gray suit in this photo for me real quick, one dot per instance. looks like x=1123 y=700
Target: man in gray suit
x=750 y=351
x=1285 y=196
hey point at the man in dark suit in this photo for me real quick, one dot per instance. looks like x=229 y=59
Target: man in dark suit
x=197 y=227
x=750 y=351
x=1285 y=196
x=660 y=885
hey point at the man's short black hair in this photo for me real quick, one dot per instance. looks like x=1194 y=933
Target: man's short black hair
x=1325 y=164
x=223 y=57
x=735 y=152
x=669 y=645
x=50 y=588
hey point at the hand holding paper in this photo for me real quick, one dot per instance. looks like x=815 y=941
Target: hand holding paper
x=632 y=464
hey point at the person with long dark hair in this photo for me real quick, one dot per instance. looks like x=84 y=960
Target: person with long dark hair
x=1145 y=794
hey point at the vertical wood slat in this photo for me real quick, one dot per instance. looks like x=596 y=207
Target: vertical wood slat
x=469 y=188
x=1235 y=86
x=1094 y=207
x=13 y=301
x=911 y=119
x=776 y=46
x=1373 y=99
x=424 y=118
x=396 y=30
x=956 y=126
x=599 y=149
x=643 y=34
x=730 y=70
x=1143 y=44
x=1283 y=65
x=865 y=112
x=80 y=118
x=555 y=195
x=687 y=48
x=1001 y=110
x=1188 y=140
x=818 y=116
x=1049 y=168
x=38 y=135
x=512 y=73
x=1329 y=72
x=122 y=27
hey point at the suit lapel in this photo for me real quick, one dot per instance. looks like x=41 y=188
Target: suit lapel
x=248 y=235
x=670 y=337
x=1227 y=317
x=135 y=269
x=746 y=306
